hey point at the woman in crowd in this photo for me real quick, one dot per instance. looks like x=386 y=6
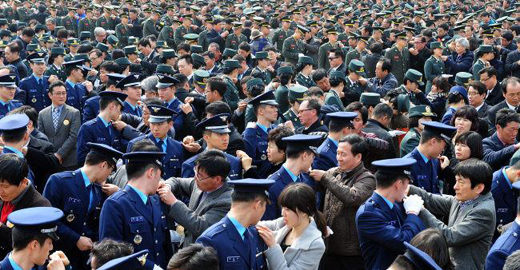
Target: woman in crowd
x=438 y=95
x=295 y=240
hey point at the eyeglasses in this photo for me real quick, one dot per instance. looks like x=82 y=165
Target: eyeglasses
x=197 y=176
x=60 y=93
x=332 y=58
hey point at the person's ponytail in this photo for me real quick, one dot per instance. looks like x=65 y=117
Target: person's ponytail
x=319 y=218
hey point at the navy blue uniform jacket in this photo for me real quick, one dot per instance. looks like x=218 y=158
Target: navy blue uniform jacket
x=424 y=175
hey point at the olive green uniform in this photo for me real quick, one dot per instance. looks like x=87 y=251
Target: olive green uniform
x=409 y=142
x=323 y=55
x=433 y=67
x=69 y=23
x=167 y=35
x=87 y=25
x=279 y=37
x=149 y=28
x=232 y=41
x=332 y=98
x=291 y=116
x=291 y=49
x=59 y=72
x=179 y=34
x=400 y=62
x=231 y=95
x=304 y=81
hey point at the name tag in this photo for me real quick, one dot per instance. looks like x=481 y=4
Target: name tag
x=232 y=259
x=502 y=210
x=74 y=200
x=136 y=219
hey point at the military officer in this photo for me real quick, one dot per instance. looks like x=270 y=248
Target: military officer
x=236 y=38
x=87 y=23
x=131 y=85
x=332 y=44
x=434 y=66
x=7 y=91
x=76 y=91
x=184 y=29
x=106 y=21
x=102 y=130
x=340 y=125
x=79 y=195
x=215 y=132
x=69 y=22
x=149 y=27
x=280 y=35
x=262 y=67
x=337 y=83
x=255 y=134
x=293 y=46
x=91 y=107
x=434 y=138
x=123 y=31
x=168 y=32
x=235 y=238
x=230 y=70
x=412 y=81
x=503 y=188
x=166 y=86
x=282 y=90
x=135 y=214
x=484 y=55
x=383 y=222
x=12 y=127
x=303 y=77
x=359 y=51
x=300 y=152
x=161 y=121
x=417 y=115
x=353 y=87
x=400 y=57
x=296 y=96
x=36 y=86
x=55 y=62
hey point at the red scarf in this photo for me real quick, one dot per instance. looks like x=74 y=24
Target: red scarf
x=7 y=209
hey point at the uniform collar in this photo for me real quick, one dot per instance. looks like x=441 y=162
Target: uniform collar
x=104 y=122
x=390 y=204
x=16 y=151
x=264 y=128
x=292 y=175
x=13 y=263
x=241 y=229
x=85 y=178
x=140 y=193
x=423 y=156
x=71 y=83
x=506 y=178
x=334 y=141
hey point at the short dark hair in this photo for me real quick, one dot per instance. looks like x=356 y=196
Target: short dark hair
x=56 y=84
x=135 y=169
x=110 y=67
x=194 y=257
x=442 y=84
x=13 y=169
x=315 y=91
x=338 y=52
x=319 y=74
x=22 y=238
x=381 y=110
x=433 y=243
x=108 y=249
x=218 y=107
x=277 y=134
x=104 y=102
x=490 y=71
x=29 y=111
x=467 y=112
x=358 y=106
x=427 y=135
x=386 y=64
x=314 y=104
x=28 y=32
x=244 y=46
x=505 y=116
x=479 y=86
x=94 y=158
x=144 y=42
x=14 y=47
x=184 y=46
x=358 y=145
x=474 y=141
x=386 y=179
x=186 y=58
x=477 y=171
x=376 y=47
x=214 y=163
x=217 y=84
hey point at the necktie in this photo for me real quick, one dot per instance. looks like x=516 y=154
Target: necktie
x=55 y=117
x=40 y=82
x=160 y=144
x=91 y=197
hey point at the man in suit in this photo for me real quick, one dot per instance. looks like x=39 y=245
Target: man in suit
x=384 y=222
x=507 y=243
x=488 y=76
x=434 y=139
x=471 y=213
x=79 y=194
x=16 y=192
x=135 y=214
x=500 y=147
x=235 y=237
x=378 y=125
x=209 y=193
x=511 y=93
x=60 y=123
x=477 y=97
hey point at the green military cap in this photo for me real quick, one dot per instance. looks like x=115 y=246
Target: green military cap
x=418 y=13
x=191 y=36
x=84 y=34
x=237 y=24
x=463 y=78
x=58 y=51
x=414 y=76
x=3 y=21
x=253 y=82
x=286 y=19
x=229 y=52
x=261 y=55
x=458 y=28
x=332 y=30
x=403 y=103
x=132 y=49
x=488 y=33
x=194 y=7
x=302 y=28
x=258 y=19
x=3 y=43
x=312 y=23
x=200 y=77
x=357 y=66
x=338 y=74
x=133 y=40
x=72 y=42
x=33 y=47
x=297 y=93
x=401 y=35
x=164 y=69
x=168 y=53
x=112 y=40
x=305 y=60
x=485 y=48
x=435 y=45
x=370 y=99
x=248 y=11
x=196 y=49
x=421 y=111
x=186 y=16
x=122 y=61
x=364 y=38
x=102 y=47
x=161 y=44
x=40 y=27
x=58 y=28
x=197 y=58
x=231 y=64
x=5 y=33
x=81 y=56
x=496 y=26
x=285 y=70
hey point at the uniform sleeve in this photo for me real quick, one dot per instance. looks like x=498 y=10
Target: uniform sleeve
x=111 y=221
x=496 y=259
x=494 y=158
x=88 y=113
x=437 y=204
x=428 y=70
x=250 y=141
x=84 y=135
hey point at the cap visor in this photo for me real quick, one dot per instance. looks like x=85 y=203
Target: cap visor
x=221 y=131
x=157 y=119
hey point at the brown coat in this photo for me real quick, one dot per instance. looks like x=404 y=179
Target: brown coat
x=345 y=193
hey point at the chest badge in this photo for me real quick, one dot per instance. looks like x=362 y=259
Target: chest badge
x=138 y=239
x=71 y=217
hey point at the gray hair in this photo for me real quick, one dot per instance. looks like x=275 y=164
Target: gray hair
x=513 y=261
x=463 y=42
x=149 y=84
x=99 y=31
x=50 y=21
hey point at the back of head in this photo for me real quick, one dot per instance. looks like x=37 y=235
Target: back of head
x=513 y=261
x=194 y=257
x=382 y=110
x=135 y=169
x=402 y=263
x=433 y=243
x=107 y=250
x=13 y=169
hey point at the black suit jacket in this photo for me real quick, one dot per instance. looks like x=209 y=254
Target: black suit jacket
x=495 y=96
x=492 y=114
x=381 y=132
x=483 y=111
x=31 y=198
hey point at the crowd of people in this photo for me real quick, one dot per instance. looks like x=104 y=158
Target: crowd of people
x=295 y=134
